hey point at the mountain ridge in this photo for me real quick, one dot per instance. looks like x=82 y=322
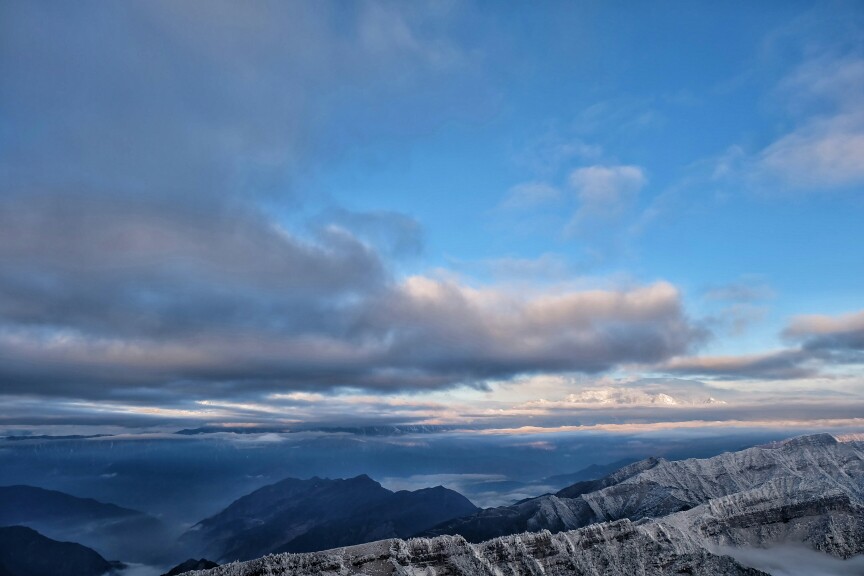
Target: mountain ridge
x=295 y=515
x=111 y=530
x=807 y=490
x=668 y=486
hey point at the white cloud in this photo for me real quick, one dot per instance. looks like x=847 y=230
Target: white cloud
x=821 y=154
x=824 y=150
x=605 y=192
x=529 y=195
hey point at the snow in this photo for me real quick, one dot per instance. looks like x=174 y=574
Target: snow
x=808 y=491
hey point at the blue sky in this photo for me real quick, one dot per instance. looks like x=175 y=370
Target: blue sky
x=430 y=212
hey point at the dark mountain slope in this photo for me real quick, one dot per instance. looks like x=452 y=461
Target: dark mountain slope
x=307 y=515
x=29 y=503
x=191 y=564
x=25 y=552
x=113 y=531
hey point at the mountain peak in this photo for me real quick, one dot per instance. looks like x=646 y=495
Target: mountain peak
x=315 y=514
x=652 y=517
x=822 y=439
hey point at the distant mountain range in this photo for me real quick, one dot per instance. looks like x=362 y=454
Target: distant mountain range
x=307 y=515
x=112 y=530
x=379 y=430
x=648 y=517
x=627 y=396
x=651 y=517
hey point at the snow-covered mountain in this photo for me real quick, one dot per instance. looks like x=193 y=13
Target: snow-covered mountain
x=627 y=396
x=655 y=487
x=652 y=517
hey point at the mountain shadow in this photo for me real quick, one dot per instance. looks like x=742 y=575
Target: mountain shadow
x=25 y=552
x=113 y=531
x=309 y=515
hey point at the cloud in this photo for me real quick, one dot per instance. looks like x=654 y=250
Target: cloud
x=114 y=266
x=605 y=193
x=780 y=365
x=391 y=233
x=793 y=560
x=821 y=154
x=105 y=295
x=454 y=333
x=844 y=333
x=739 y=305
x=530 y=195
x=823 y=342
x=747 y=289
x=824 y=150
x=204 y=98
x=530 y=270
x=804 y=423
x=658 y=393
x=217 y=305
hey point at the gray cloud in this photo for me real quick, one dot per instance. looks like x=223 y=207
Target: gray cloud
x=446 y=326
x=99 y=300
x=822 y=342
x=829 y=333
x=152 y=155
x=394 y=234
x=781 y=365
x=201 y=97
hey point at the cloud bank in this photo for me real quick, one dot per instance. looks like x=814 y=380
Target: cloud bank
x=100 y=295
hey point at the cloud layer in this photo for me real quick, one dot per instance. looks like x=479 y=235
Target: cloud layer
x=821 y=343
x=101 y=295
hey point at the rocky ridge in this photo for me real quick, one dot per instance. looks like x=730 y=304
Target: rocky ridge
x=808 y=490
x=656 y=487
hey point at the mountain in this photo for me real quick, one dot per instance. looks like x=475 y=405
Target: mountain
x=380 y=430
x=632 y=396
x=188 y=565
x=555 y=512
x=592 y=472
x=616 y=550
x=29 y=503
x=655 y=487
x=112 y=530
x=25 y=552
x=808 y=491
x=307 y=515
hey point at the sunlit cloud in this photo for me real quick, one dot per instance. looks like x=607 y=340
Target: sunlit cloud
x=855 y=423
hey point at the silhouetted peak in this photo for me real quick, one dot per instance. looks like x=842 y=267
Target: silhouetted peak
x=363 y=479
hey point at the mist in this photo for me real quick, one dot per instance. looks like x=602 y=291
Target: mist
x=792 y=560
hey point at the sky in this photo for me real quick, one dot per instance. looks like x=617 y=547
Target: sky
x=499 y=217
